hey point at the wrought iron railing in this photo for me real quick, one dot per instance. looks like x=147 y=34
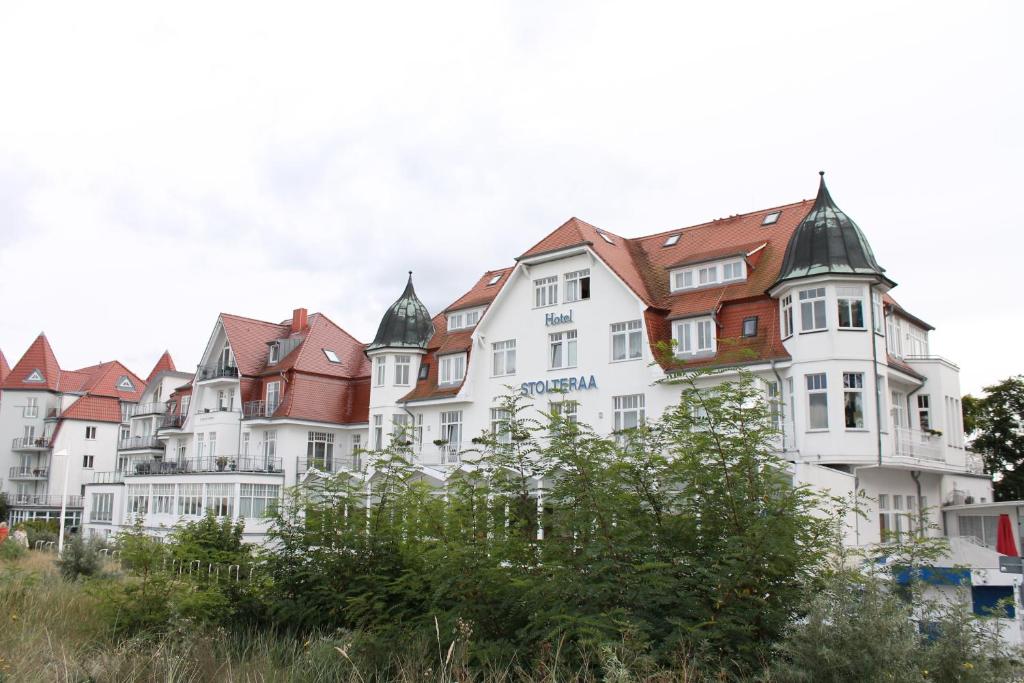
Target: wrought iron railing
x=145 y=409
x=215 y=371
x=30 y=442
x=253 y=409
x=28 y=473
x=136 y=442
x=914 y=443
x=41 y=500
x=219 y=463
x=173 y=421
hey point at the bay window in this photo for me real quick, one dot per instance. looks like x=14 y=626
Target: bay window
x=379 y=370
x=402 y=364
x=850 y=301
x=817 y=401
x=787 y=316
x=812 y=310
x=853 y=399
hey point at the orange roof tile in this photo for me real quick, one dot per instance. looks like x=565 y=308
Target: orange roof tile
x=5 y=369
x=94 y=409
x=163 y=364
x=39 y=356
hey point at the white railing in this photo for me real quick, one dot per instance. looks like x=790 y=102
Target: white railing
x=913 y=443
x=145 y=409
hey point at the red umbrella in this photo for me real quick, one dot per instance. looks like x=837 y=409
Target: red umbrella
x=1005 y=543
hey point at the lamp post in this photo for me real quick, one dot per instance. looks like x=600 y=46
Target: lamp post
x=63 y=499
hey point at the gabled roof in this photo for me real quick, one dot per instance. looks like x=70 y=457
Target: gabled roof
x=249 y=338
x=38 y=361
x=5 y=369
x=309 y=356
x=164 y=364
x=483 y=292
x=104 y=379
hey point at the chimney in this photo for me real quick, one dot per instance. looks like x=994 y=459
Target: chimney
x=298 y=320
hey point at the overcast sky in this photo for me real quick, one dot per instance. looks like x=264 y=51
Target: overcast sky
x=158 y=167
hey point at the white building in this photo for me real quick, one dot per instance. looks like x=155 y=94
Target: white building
x=268 y=402
x=46 y=411
x=791 y=293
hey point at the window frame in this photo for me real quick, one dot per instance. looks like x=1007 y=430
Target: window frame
x=446 y=367
x=850 y=298
x=403 y=367
x=380 y=371
x=816 y=301
x=853 y=390
x=545 y=291
x=820 y=389
x=575 y=282
x=504 y=350
x=688 y=333
x=567 y=343
x=630 y=330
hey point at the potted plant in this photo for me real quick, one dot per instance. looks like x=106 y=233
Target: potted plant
x=440 y=442
x=222 y=462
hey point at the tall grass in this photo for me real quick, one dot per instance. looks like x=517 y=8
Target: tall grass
x=51 y=632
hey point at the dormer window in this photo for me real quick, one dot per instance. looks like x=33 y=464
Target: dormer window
x=708 y=274
x=35 y=376
x=451 y=368
x=461 y=320
x=695 y=336
x=275 y=353
x=125 y=384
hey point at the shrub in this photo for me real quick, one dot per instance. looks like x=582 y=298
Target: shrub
x=80 y=558
x=39 y=530
x=11 y=550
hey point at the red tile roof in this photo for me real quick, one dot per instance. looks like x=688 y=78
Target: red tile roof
x=482 y=292
x=164 y=364
x=322 y=333
x=249 y=338
x=94 y=409
x=39 y=356
x=5 y=369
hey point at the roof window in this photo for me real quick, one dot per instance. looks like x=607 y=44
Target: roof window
x=771 y=218
x=605 y=237
x=672 y=240
x=332 y=356
x=494 y=280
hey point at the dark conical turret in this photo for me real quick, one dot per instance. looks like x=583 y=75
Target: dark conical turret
x=406 y=324
x=828 y=241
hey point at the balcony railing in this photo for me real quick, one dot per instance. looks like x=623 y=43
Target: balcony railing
x=115 y=477
x=253 y=409
x=913 y=443
x=41 y=500
x=220 y=463
x=28 y=473
x=333 y=464
x=215 y=372
x=173 y=421
x=145 y=409
x=30 y=443
x=137 y=442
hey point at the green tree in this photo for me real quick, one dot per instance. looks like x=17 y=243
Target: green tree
x=995 y=423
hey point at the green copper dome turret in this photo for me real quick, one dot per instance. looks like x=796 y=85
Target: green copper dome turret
x=827 y=241
x=406 y=324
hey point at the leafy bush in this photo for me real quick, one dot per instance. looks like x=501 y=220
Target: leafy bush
x=80 y=558
x=39 y=530
x=11 y=550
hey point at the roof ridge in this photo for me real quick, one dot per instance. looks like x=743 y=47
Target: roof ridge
x=254 y=320
x=714 y=221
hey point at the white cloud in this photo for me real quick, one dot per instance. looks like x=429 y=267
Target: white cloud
x=159 y=166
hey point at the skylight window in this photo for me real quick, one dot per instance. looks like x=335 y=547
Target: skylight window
x=605 y=237
x=332 y=356
x=494 y=280
x=771 y=218
x=672 y=240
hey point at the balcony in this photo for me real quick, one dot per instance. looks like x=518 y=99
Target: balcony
x=30 y=443
x=115 y=477
x=220 y=463
x=331 y=465
x=28 y=473
x=172 y=422
x=209 y=372
x=257 y=409
x=913 y=443
x=134 y=443
x=145 y=409
x=41 y=500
